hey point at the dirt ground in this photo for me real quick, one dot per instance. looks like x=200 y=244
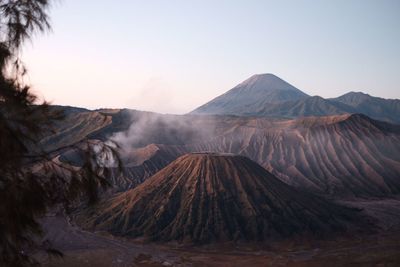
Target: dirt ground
x=86 y=249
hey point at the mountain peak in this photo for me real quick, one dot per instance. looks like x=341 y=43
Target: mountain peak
x=353 y=98
x=208 y=197
x=266 y=82
x=356 y=94
x=251 y=95
x=263 y=76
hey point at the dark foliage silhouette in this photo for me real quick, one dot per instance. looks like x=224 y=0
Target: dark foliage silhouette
x=30 y=181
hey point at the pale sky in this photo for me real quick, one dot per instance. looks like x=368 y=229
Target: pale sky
x=172 y=56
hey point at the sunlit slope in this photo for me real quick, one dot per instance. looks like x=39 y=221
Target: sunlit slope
x=341 y=155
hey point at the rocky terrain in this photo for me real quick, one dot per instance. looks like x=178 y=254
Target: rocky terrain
x=347 y=155
x=82 y=248
x=209 y=197
x=341 y=156
x=352 y=159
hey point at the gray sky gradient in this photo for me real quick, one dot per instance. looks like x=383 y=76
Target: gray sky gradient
x=172 y=56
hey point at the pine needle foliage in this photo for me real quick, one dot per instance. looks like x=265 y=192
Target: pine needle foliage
x=26 y=194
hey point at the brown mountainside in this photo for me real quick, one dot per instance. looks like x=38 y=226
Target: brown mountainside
x=342 y=155
x=206 y=197
x=347 y=155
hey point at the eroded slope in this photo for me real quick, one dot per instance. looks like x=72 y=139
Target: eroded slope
x=206 y=197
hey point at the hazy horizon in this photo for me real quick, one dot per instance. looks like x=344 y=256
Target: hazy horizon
x=174 y=56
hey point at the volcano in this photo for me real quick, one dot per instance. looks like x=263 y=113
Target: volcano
x=209 y=197
x=252 y=95
x=266 y=95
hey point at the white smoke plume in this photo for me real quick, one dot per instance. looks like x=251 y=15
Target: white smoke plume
x=152 y=128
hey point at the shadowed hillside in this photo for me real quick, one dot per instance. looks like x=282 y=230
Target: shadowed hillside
x=217 y=197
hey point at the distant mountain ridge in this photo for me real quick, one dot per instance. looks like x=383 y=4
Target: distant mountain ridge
x=374 y=107
x=266 y=95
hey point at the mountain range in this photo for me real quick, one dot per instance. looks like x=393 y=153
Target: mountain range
x=339 y=156
x=262 y=162
x=342 y=147
x=266 y=95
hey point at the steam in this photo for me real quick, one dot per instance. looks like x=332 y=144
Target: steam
x=152 y=128
x=105 y=154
